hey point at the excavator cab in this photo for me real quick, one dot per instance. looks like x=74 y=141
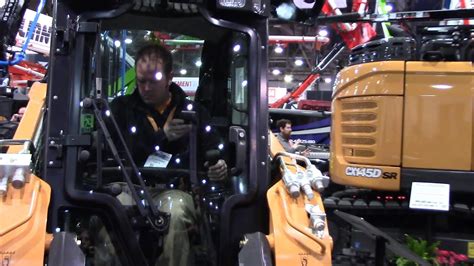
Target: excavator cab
x=219 y=50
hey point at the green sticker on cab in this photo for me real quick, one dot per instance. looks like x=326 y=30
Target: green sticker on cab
x=87 y=123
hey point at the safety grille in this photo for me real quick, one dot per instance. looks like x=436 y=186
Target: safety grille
x=358 y=129
x=358 y=141
x=358 y=105
x=359 y=117
x=359 y=126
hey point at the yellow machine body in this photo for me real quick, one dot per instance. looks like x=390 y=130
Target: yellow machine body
x=394 y=115
x=24 y=211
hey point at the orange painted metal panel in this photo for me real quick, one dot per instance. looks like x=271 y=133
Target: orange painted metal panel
x=438 y=118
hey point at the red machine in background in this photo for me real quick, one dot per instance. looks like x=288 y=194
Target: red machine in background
x=352 y=34
x=316 y=105
x=25 y=71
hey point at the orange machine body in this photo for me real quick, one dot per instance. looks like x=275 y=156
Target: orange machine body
x=24 y=211
x=290 y=237
x=391 y=116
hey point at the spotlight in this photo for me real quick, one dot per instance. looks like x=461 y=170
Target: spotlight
x=158 y=75
x=298 y=62
x=286 y=11
x=278 y=49
x=323 y=33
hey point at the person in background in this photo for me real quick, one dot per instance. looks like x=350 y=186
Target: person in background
x=284 y=136
x=18 y=116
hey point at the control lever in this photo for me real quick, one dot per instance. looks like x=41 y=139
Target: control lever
x=188 y=116
x=212 y=157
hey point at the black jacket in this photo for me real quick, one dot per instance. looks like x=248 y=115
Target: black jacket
x=130 y=111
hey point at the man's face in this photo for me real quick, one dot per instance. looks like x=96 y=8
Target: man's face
x=21 y=112
x=152 y=81
x=286 y=131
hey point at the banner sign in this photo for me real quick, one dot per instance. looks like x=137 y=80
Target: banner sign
x=188 y=84
x=41 y=38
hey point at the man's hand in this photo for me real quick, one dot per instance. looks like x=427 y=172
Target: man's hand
x=295 y=143
x=217 y=171
x=175 y=129
x=305 y=152
x=15 y=118
x=18 y=116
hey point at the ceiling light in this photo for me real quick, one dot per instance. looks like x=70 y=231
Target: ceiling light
x=288 y=78
x=286 y=11
x=327 y=80
x=298 y=62
x=276 y=72
x=198 y=63
x=323 y=33
x=183 y=71
x=158 y=76
x=128 y=41
x=117 y=43
x=278 y=49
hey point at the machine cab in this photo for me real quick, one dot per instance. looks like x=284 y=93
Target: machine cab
x=219 y=61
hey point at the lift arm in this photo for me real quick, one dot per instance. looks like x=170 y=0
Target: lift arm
x=298 y=231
